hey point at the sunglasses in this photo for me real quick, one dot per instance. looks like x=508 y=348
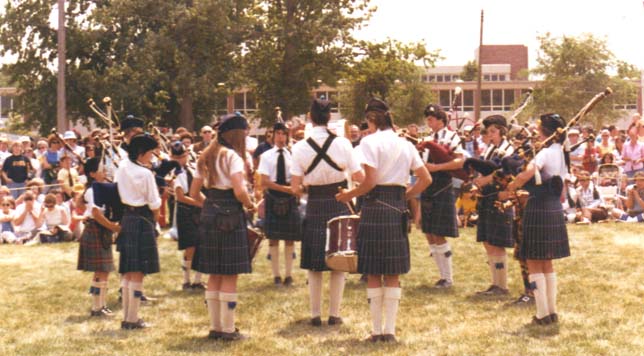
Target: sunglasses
x=5 y=204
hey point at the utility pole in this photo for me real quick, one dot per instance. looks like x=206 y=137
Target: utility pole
x=61 y=110
x=477 y=99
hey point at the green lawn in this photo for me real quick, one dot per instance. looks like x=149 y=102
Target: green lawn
x=44 y=307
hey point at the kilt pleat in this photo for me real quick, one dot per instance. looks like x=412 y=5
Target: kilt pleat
x=137 y=242
x=288 y=227
x=221 y=252
x=383 y=245
x=438 y=214
x=92 y=256
x=545 y=236
x=494 y=227
x=321 y=207
x=187 y=226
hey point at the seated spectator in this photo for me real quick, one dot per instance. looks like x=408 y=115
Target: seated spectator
x=67 y=176
x=6 y=217
x=634 y=203
x=25 y=222
x=590 y=201
x=571 y=204
x=466 y=207
x=56 y=220
x=78 y=207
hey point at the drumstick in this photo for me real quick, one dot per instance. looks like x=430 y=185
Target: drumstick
x=349 y=204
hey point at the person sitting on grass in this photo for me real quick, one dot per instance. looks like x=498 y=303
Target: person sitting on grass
x=56 y=220
x=466 y=206
x=6 y=217
x=590 y=200
x=25 y=222
x=634 y=203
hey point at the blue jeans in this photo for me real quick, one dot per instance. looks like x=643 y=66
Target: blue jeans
x=16 y=189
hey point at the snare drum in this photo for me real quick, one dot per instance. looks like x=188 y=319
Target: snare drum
x=255 y=238
x=342 y=243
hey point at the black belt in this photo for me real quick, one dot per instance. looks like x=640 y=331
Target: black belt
x=137 y=209
x=327 y=189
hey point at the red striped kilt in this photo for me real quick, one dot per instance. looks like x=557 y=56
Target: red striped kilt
x=320 y=208
x=92 y=256
x=220 y=252
x=383 y=245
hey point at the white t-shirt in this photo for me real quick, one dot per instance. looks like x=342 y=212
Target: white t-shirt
x=181 y=181
x=550 y=162
x=268 y=163
x=137 y=186
x=28 y=224
x=392 y=157
x=55 y=217
x=235 y=165
x=340 y=151
x=89 y=198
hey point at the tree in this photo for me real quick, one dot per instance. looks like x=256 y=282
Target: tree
x=574 y=69
x=296 y=46
x=470 y=71
x=388 y=70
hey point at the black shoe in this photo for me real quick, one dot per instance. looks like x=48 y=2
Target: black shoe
x=198 y=286
x=317 y=321
x=100 y=313
x=443 y=284
x=554 y=317
x=214 y=335
x=493 y=290
x=288 y=281
x=373 y=338
x=487 y=291
x=139 y=324
x=186 y=286
x=277 y=281
x=389 y=338
x=543 y=321
x=523 y=300
x=145 y=299
x=234 y=336
x=335 y=320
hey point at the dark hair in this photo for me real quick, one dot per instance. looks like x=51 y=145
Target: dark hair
x=380 y=119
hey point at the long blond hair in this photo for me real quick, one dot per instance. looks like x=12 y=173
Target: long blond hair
x=214 y=155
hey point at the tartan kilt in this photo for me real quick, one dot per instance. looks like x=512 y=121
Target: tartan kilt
x=438 y=214
x=320 y=208
x=187 y=225
x=220 y=252
x=288 y=227
x=544 y=229
x=383 y=245
x=137 y=241
x=517 y=232
x=92 y=257
x=494 y=227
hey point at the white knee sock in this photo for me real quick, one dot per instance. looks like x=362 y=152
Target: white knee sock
x=490 y=264
x=288 y=260
x=103 y=294
x=275 y=259
x=437 y=259
x=551 y=291
x=95 y=291
x=228 y=302
x=185 y=266
x=500 y=271
x=214 y=310
x=444 y=253
x=392 y=300
x=315 y=292
x=374 y=297
x=125 y=297
x=136 y=291
x=336 y=290
x=540 y=294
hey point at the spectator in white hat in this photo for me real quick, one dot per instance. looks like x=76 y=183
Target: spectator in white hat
x=71 y=139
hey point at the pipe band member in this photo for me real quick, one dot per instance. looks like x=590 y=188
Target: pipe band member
x=222 y=245
x=545 y=237
x=137 y=240
x=321 y=163
x=282 y=217
x=383 y=244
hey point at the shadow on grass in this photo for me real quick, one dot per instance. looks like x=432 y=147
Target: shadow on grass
x=423 y=290
x=303 y=327
x=201 y=344
x=80 y=319
x=482 y=298
x=537 y=331
x=358 y=345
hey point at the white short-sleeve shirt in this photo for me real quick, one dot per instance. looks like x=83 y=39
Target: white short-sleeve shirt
x=340 y=151
x=550 y=162
x=223 y=181
x=268 y=163
x=137 y=186
x=392 y=157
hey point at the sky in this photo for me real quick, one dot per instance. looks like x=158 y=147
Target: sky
x=453 y=25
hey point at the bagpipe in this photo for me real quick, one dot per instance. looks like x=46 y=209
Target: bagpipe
x=439 y=153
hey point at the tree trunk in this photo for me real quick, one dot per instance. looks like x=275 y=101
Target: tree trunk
x=186 y=116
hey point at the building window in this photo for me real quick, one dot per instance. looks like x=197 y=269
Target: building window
x=439 y=78
x=468 y=100
x=239 y=102
x=508 y=99
x=445 y=99
x=251 y=102
x=6 y=106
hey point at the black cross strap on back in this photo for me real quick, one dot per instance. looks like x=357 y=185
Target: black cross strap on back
x=321 y=154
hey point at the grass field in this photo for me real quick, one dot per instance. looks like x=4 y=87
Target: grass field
x=44 y=307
